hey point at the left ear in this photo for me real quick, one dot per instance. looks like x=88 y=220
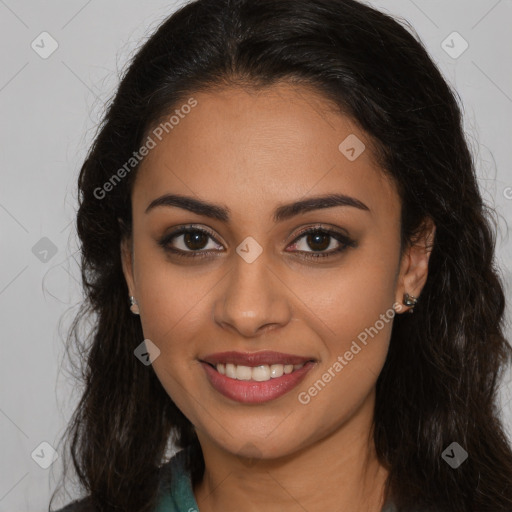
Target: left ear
x=414 y=264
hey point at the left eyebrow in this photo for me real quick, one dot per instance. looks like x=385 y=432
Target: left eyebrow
x=284 y=212
x=315 y=203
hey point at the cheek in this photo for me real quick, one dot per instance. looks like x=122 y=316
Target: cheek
x=346 y=301
x=173 y=318
x=354 y=357
x=173 y=315
x=354 y=311
x=357 y=350
x=172 y=297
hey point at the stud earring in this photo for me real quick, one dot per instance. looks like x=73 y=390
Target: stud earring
x=134 y=307
x=410 y=300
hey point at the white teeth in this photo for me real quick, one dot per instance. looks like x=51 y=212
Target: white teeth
x=257 y=373
x=261 y=373
x=276 y=370
x=231 y=371
x=243 y=372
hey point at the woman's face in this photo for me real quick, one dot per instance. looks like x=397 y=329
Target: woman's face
x=255 y=284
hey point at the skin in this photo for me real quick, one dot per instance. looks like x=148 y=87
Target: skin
x=252 y=152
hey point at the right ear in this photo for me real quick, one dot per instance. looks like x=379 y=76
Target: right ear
x=126 y=248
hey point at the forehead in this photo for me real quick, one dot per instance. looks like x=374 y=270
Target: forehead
x=253 y=149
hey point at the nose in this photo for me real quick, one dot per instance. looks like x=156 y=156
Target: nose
x=252 y=299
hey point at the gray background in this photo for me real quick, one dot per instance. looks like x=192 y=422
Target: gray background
x=50 y=109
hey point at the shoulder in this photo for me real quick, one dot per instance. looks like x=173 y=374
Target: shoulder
x=179 y=490
x=80 y=505
x=175 y=491
x=391 y=507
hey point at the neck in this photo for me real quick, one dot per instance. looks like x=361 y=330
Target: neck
x=339 y=472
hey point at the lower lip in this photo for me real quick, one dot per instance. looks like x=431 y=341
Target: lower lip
x=253 y=392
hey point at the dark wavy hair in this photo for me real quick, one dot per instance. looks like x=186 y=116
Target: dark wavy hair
x=440 y=380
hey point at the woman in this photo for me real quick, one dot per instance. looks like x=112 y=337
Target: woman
x=276 y=186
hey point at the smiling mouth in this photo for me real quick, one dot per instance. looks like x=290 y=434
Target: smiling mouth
x=260 y=373
x=265 y=380
x=255 y=377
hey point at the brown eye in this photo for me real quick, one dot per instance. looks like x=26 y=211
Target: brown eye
x=319 y=240
x=195 y=240
x=190 y=242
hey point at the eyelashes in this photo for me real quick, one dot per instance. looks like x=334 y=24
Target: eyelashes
x=311 y=236
x=190 y=236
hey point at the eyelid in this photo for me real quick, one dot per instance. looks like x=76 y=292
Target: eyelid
x=340 y=235
x=322 y=227
x=192 y=227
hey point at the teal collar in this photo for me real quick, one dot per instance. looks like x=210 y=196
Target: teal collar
x=179 y=497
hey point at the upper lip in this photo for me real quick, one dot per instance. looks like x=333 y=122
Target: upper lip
x=254 y=358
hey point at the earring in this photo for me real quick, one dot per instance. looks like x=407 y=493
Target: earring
x=134 y=307
x=410 y=300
